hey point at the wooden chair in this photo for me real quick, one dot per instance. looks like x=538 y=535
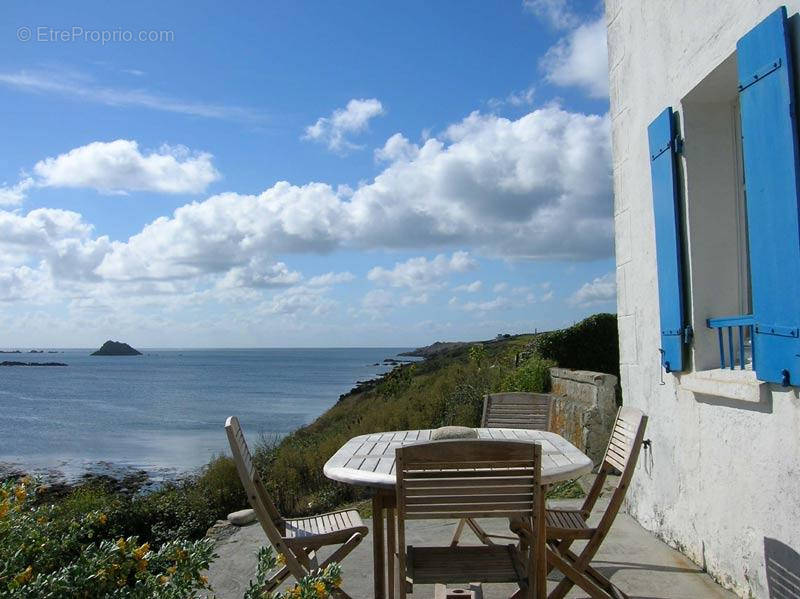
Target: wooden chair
x=297 y=540
x=469 y=479
x=517 y=410
x=566 y=526
x=508 y=410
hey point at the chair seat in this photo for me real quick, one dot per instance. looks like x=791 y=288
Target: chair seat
x=567 y=524
x=461 y=564
x=318 y=530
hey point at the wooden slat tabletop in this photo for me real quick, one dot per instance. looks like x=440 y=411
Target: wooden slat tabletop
x=368 y=460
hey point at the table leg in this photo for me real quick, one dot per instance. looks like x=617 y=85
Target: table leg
x=391 y=547
x=541 y=547
x=377 y=546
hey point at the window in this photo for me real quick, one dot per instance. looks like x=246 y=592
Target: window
x=728 y=228
x=715 y=245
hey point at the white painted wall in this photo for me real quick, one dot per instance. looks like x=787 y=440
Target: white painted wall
x=724 y=470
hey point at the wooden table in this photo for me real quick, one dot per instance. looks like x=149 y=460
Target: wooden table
x=368 y=461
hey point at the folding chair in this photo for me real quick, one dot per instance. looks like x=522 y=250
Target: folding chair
x=566 y=526
x=508 y=410
x=468 y=479
x=297 y=540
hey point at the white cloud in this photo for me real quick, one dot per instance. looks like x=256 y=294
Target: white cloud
x=333 y=131
x=421 y=273
x=86 y=89
x=378 y=299
x=473 y=287
x=557 y=13
x=300 y=299
x=500 y=287
x=599 y=291
x=331 y=278
x=533 y=188
x=498 y=303
x=377 y=302
x=13 y=195
x=516 y=99
x=580 y=59
x=120 y=166
x=397 y=147
x=259 y=273
x=24 y=284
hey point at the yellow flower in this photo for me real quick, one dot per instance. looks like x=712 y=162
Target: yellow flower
x=41 y=520
x=141 y=565
x=203 y=580
x=24 y=576
x=319 y=586
x=141 y=551
x=20 y=493
x=180 y=554
x=163 y=579
x=172 y=569
x=26 y=480
x=102 y=518
x=281 y=559
x=121 y=544
x=4 y=509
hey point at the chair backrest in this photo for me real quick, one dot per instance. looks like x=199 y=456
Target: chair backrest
x=257 y=495
x=517 y=410
x=627 y=436
x=622 y=453
x=468 y=478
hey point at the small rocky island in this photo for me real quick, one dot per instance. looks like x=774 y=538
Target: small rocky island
x=116 y=348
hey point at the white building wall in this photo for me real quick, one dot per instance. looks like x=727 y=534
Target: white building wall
x=723 y=472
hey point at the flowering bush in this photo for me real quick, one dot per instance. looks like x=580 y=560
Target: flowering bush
x=318 y=585
x=45 y=554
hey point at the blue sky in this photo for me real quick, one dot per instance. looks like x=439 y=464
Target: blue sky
x=301 y=174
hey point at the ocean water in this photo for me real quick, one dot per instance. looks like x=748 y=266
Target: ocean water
x=164 y=411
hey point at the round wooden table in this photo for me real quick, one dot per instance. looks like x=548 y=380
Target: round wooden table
x=368 y=461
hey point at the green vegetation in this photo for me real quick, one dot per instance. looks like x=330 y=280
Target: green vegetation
x=318 y=585
x=60 y=551
x=592 y=344
x=94 y=540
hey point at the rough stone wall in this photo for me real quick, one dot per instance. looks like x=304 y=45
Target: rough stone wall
x=584 y=408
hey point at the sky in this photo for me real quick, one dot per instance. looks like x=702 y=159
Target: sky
x=301 y=174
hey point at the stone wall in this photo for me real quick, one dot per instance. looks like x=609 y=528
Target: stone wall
x=584 y=408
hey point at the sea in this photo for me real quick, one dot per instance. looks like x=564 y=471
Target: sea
x=164 y=412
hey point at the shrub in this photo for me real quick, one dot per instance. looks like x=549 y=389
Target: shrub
x=318 y=585
x=592 y=344
x=463 y=407
x=532 y=376
x=50 y=551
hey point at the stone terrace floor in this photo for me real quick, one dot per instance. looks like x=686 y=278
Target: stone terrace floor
x=637 y=562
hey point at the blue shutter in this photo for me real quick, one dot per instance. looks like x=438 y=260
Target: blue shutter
x=664 y=175
x=769 y=141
